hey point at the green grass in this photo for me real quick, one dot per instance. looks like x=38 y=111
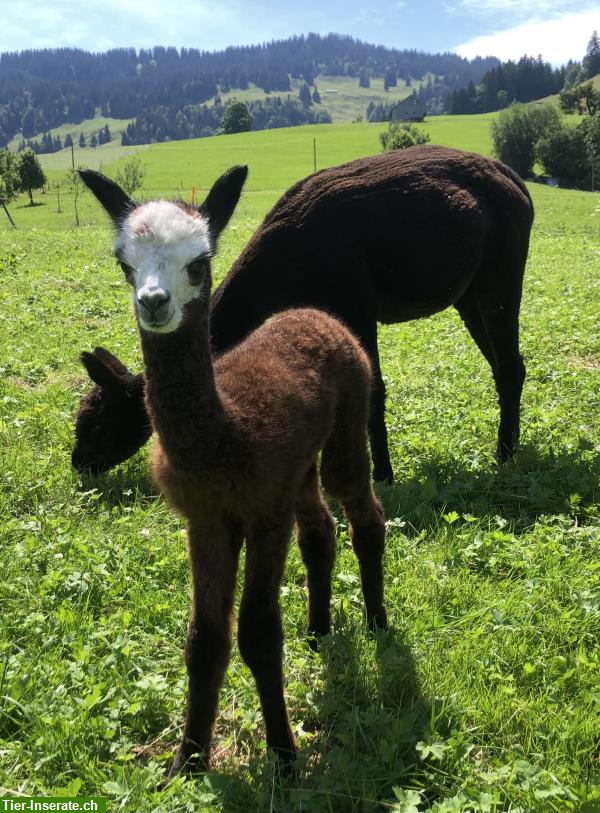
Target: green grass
x=346 y=99
x=484 y=695
x=276 y=158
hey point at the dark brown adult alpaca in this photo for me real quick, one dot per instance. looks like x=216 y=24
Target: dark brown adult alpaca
x=382 y=239
x=237 y=450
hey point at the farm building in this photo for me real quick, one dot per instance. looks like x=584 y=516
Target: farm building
x=409 y=109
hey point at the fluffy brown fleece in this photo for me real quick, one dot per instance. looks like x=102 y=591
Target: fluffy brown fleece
x=237 y=454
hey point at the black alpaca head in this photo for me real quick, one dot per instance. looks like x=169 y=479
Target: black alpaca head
x=112 y=422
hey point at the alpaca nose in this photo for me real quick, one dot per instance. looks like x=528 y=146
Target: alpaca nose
x=150 y=304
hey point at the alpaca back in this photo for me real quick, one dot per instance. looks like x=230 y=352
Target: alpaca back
x=283 y=389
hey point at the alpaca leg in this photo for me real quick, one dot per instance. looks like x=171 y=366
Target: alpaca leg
x=469 y=313
x=382 y=466
x=500 y=318
x=345 y=474
x=365 y=330
x=214 y=555
x=316 y=539
x=260 y=632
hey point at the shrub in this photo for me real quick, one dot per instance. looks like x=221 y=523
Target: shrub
x=572 y=154
x=400 y=136
x=563 y=155
x=518 y=129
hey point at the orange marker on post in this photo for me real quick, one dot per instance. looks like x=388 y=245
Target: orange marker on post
x=193 y=194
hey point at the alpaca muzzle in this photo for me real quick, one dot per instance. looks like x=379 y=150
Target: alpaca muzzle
x=154 y=307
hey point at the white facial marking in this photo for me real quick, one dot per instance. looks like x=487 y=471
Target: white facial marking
x=158 y=240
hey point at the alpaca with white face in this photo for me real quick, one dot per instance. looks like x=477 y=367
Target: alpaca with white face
x=163 y=249
x=237 y=452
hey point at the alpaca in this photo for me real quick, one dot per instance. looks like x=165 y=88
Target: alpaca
x=389 y=238
x=237 y=446
x=112 y=422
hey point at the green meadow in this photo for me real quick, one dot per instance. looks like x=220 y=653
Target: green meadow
x=276 y=159
x=484 y=696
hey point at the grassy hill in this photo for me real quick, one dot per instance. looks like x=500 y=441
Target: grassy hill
x=276 y=159
x=341 y=96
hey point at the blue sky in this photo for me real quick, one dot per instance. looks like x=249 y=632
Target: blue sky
x=558 y=29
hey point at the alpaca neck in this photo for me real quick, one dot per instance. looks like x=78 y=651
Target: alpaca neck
x=181 y=392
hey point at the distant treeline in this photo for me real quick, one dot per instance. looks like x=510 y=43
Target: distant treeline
x=522 y=81
x=165 y=123
x=48 y=143
x=40 y=90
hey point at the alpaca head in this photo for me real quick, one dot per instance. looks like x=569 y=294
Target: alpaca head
x=112 y=422
x=164 y=247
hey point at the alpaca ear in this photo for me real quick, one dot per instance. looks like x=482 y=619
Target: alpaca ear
x=111 y=361
x=102 y=374
x=222 y=199
x=116 y=202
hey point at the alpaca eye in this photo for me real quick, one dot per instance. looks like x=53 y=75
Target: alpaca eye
x=196 y=270
x=127 y=270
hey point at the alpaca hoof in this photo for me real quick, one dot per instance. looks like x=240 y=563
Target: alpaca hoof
x=378 y=621
x=286 y=758
x=504 y=453
x=187 y=763
x=317 y=631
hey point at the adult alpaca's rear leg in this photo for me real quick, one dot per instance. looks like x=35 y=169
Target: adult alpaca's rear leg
x=492 y=319
x=346 y=476
x=316 y=539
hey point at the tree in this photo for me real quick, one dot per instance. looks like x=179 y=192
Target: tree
x=363 y=78
x=399 y=136
x=81 y=140
x=562 y=154
x=583 y=98
x=68 y=141
x=591 y=60
x=94 y=140
x=316 y=97
x=390 y=78
x=572 y=154
x=236 y=118
x=31 y=174
x=304 y=94
x=517 y=130
x=9 y=180
x=131 y=175
x=590 y=129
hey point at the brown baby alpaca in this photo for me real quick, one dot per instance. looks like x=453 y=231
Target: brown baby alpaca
x=236 y=454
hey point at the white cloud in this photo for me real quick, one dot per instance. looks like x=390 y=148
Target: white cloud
x=557 y=40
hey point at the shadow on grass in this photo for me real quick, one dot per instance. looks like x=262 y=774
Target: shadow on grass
x=125 y=485
x=33 y=205
x=532 y=484
x=364 y=726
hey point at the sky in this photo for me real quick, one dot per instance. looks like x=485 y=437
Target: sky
x=557 y=29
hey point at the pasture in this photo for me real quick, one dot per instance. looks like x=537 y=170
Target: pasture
x=276 y=159
x=483 y=696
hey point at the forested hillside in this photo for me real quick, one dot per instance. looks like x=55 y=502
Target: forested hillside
x=40 y=90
